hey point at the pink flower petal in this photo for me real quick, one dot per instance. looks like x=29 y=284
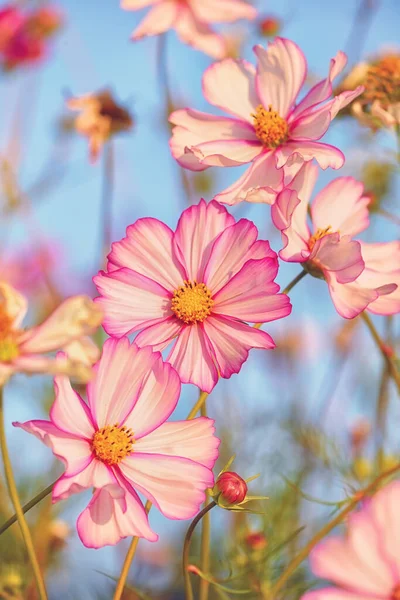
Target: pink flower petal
x=382 y=257
x=96 y=475
x=159 y=335
x=69 y=412
x=350 y=299
x=336 y=594
x=227 y=153
x=251 y=295
x=325 y=155
x=230 y=85
x=384 y=512
x=339 y=254
x=146 y=239
x=289 y=216
x=74 y=452
x=232 y=340
x=198 y=34
x=110 y=518
x=197 y=229
x=341 y=206
x=311 y=126
x=137 y=4
x=260 y=183
x=15 y=305
x=281 y=71
x=175 y=485
x=6 y=370
x=130 y=301
x=225 y=11
x=189 y=439
x=118 y=380
x=157 y=397
x=191 y=357
x=158 y=20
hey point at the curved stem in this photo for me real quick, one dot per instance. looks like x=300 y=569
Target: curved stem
x=391 y=365
x=200 y=402
x=13 y=492
x=302 y=555
x=27 y=507
x=107 y=197
x=294 y=281
x=186 y=549
x=205 y=538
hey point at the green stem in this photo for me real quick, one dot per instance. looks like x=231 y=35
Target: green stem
x=107 y=198
x=27 y=507
x=294 y=281
x=186 y=549
x=205 y=538
x=391 y=365
x=302 y=555
x=202 y=398
x=13 y=492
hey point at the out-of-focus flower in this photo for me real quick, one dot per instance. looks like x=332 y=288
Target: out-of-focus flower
x=377 y=177
x=25 y=350
x=23 y=35
x=195 y=289
x=100 y=118
x=256 y=540
x=365 y=563
x=59 y=531
x=230 y=489
x=120 y=443
x=270 y=26
x=234 y=40
x=359 y=434
x=359 y=275
x=191 y=20
x=11 y=582
x=267 y=128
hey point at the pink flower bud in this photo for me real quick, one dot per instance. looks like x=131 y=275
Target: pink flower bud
x=256 y=540
x=270 y=26
x=232 y=487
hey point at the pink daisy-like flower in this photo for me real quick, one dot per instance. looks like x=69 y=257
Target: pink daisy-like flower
x=267 y=128
x=191 y=20
x=24 y=350
x=120 y=444
x=364 y=565
x=359 y=275
x=195 y=288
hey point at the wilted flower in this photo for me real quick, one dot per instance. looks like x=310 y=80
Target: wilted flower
x=121 y=443
x=191 y=20
x=25 y=350
x=194 y=289
x=266 y=127
x=100 y=118
x=230 y=489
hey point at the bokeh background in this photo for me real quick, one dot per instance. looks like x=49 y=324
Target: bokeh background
x=290 y=412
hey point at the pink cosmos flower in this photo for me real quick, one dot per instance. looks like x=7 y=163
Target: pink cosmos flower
x=120 y=444
x=359 y=275
x=267 y=128
x=195 y=289
x=25 y=350
x=364 y=565
x=191 y=20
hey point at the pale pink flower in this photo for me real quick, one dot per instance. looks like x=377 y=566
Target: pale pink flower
x=364 y=565
x=267 y=128
x=191 y=20
x=24 y=350
x=194 y=288
x=359 y=275
x=119 y=444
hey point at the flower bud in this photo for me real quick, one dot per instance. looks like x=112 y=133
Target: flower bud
x=256 y=540
x=270 y=26
x=230 y=488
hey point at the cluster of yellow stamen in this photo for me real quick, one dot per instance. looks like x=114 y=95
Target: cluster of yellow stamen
x=8 y=345
x=112 y=443
x=382 y=82
x=271 y=129
x=192 y=302
x=320 y=233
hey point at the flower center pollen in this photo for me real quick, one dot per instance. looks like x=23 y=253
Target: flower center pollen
x=112 y=443
x=382 y=82
x=192 y=302
x=8 y=345
x=271 y=129
x=320 y=233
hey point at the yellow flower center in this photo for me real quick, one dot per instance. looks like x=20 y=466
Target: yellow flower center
x=8 y=345
x=271 y=129
x=112 y=443
x=320 y=233
x=382 y=82
x=192 y=302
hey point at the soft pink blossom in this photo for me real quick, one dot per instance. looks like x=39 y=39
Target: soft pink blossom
x=266 y=127
x=119 y=444
x=359 y=275
x=364 y=565
x=24 y=350
x=195 y=288
x=191 y=19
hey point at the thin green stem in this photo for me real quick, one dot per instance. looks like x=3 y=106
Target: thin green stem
x=197 y=407
x=294 y=281
x=27 y=507
x=13 y=492
x=391 y=365
x=305 y=551
x=107 y=198
x=205 y=538
x=186 y=549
